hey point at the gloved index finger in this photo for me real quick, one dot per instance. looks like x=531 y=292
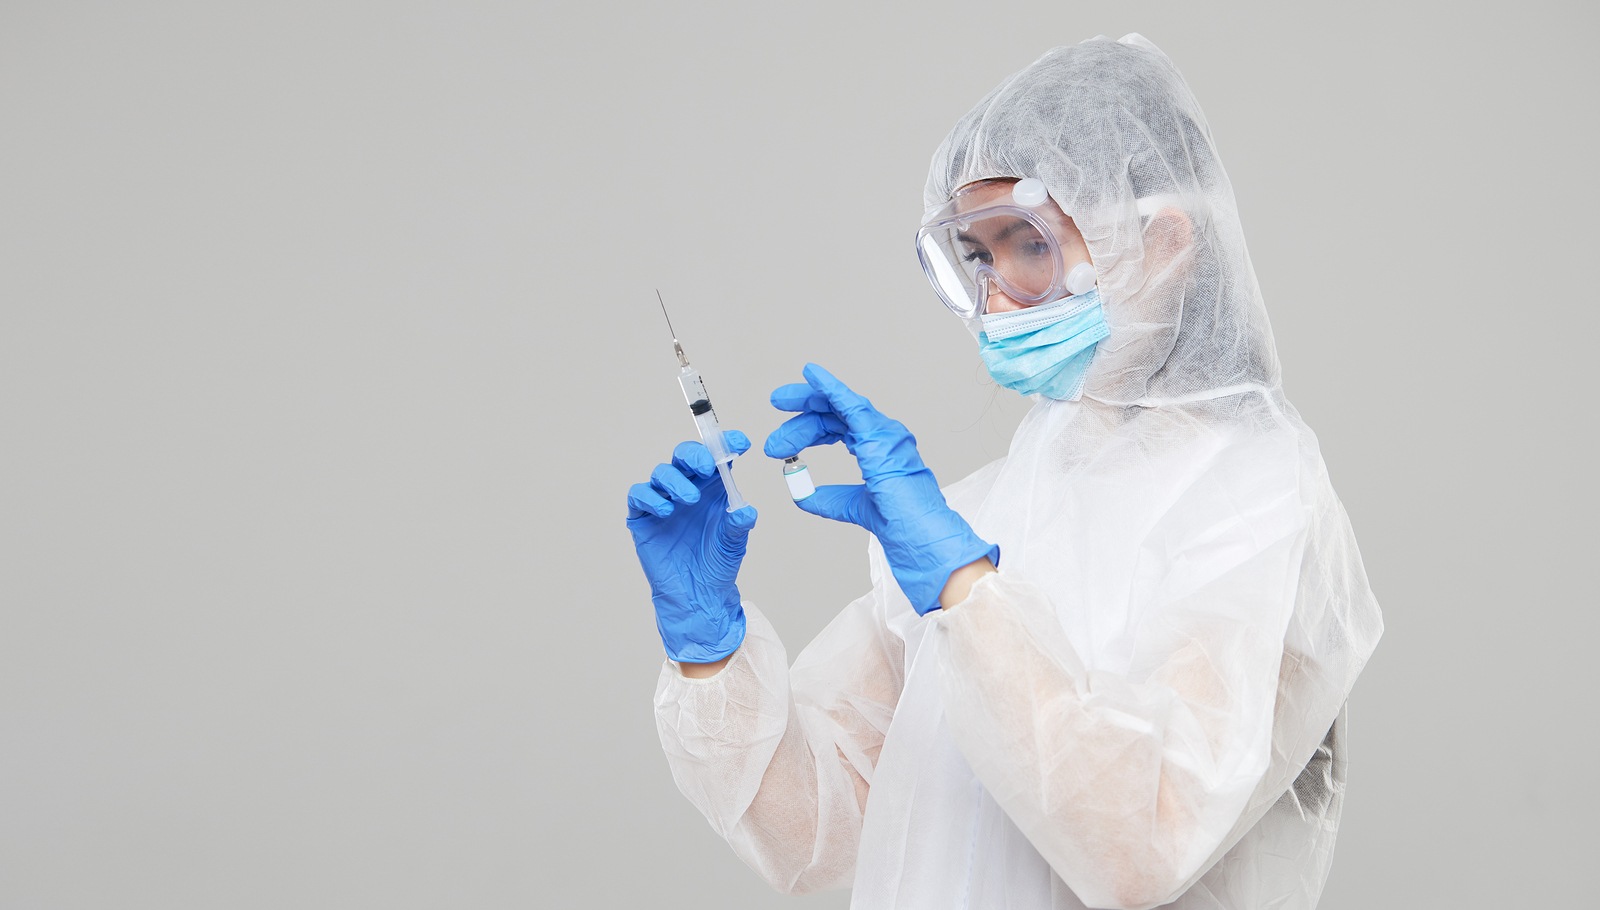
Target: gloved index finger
x=736 y=441
x=694 y=459
x=799 y=396
x=803 y=431
x=842 y=399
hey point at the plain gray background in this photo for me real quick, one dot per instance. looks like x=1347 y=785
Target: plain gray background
x=329 y=348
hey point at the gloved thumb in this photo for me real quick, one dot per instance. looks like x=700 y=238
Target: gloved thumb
x=734 y=529
x=840 y=502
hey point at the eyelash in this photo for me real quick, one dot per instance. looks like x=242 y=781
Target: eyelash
x=1038 y=248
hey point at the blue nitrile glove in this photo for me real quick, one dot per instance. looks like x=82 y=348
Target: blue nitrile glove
x=690 y=546
x=900 y=503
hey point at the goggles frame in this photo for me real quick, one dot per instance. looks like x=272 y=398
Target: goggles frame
x=967 y=295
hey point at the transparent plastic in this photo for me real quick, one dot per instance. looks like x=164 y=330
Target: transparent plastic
x=965 y=250
x=705 y=421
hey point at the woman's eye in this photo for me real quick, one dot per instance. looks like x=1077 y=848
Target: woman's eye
x=978 y=256
x=1038 y=248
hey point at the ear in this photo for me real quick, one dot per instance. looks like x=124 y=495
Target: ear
x=1169 y=233
x=1168 y=238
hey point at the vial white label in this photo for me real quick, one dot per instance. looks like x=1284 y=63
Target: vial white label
x=800 y=485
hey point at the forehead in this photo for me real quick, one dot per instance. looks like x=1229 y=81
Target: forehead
x=982 y=193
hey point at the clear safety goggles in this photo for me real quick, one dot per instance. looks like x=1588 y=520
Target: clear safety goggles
x=970 y=249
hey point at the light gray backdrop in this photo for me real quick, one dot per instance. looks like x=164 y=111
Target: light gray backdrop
x=329 y=348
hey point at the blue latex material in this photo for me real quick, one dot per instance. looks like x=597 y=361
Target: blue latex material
x=691 y=546
x=900 y=503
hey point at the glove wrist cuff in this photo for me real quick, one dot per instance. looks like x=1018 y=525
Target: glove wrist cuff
x=926 y=598
x=709 y=645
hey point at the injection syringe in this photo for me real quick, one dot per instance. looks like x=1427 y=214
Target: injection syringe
x=705 y=416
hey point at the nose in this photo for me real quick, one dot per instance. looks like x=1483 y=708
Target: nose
x=999 y=302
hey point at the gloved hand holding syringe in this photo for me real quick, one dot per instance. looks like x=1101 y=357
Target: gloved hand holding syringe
x=705 y=416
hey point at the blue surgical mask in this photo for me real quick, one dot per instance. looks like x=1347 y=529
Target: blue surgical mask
x=1044 y=349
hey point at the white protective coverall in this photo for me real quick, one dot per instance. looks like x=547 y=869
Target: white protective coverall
x=1146 y=703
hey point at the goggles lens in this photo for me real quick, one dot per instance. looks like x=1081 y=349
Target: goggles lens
x=1001 y=248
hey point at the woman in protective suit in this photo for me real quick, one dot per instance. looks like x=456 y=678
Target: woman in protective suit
x=1107 y=670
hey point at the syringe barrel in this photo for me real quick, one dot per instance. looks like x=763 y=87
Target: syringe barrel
x=705 y=420
x=711 y=435
x=735 y=499
x=693 y=389
x=705 y=417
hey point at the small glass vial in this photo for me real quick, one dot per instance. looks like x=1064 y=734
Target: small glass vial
x=798 y=476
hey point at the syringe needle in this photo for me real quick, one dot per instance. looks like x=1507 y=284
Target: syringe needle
x=676 y=347
x=664 y=313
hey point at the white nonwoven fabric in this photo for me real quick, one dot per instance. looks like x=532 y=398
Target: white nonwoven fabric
x=1145 y=705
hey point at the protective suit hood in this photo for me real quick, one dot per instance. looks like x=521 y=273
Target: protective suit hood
x=1120 y=141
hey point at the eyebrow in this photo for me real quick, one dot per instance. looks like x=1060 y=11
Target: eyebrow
x=1015 y=226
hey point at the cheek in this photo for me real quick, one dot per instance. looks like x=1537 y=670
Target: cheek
x=1000 y=303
